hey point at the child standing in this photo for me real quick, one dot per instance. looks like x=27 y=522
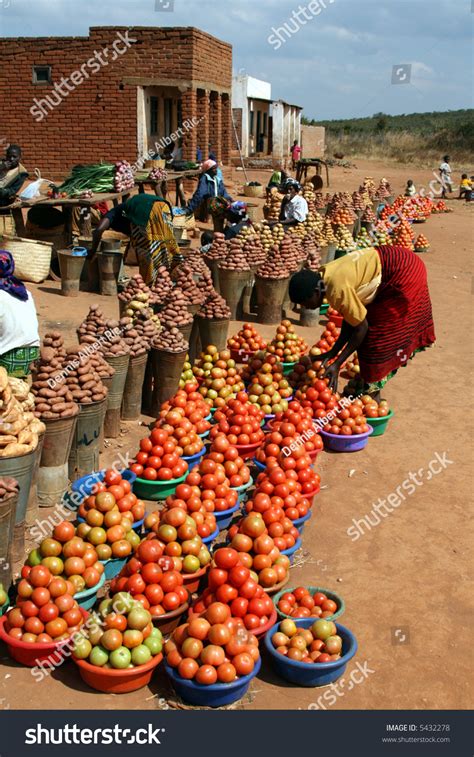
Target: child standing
x=410 y=189
x=445 y=171
x=295 y=153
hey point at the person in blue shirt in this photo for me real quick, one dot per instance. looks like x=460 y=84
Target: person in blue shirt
x=211 y=196
x=220 y=175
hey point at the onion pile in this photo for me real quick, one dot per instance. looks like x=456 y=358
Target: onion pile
x=124 y=177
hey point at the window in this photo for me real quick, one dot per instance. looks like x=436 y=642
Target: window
x=41 y=74
x=265 y=124
x=154 y=115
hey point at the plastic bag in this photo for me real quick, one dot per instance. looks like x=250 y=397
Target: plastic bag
x=32 y=190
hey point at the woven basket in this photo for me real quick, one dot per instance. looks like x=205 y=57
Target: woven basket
x=253 y=191
x=184 y=222
x=155 y=163
x=32 y=258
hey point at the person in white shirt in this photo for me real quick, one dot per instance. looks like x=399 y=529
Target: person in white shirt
x=445 y=171
x=19 y=337
x=294 y=208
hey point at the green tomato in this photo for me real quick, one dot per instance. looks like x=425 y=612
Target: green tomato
x=105 y=607
x=3 y=595
x=191 y=564
x=123 y=602
x=322 y=629
x=82 y=649
x=141 y=655
x=156 y=632
x=154 y=644
x=120 y=658
x=98 y=656
x=34 y=558
x=138 y=618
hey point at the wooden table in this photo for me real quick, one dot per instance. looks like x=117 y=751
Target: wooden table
x=303 y=165
x=67 y=204
x=160 y=186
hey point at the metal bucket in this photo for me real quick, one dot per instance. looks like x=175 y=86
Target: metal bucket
x=110 y=245
x=17 y=551
x=84 y=455
x=53 y=476
x=32 y=511
x=7 y=521
x=71 y=269
x=232 y=285
x=115 y=395
x=186 y=331
x=213 y=331
x=132 y=393
x=331 y=252
x=109 y=262
x=167 y=370
x=270 y=298
x=214 y=269
x=20 y=468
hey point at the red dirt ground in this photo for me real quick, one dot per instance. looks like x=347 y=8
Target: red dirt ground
x=410 y=572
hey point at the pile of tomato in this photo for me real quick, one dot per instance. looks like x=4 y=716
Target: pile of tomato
x=283 y=495
x=320 y=643
x=350 y=421
x=208 y=482
x=225 y=453
x=240 y=421
x=319 y=398
x=184 y=408
x=258 y=550
x=159 y=458
x=247 y=340
x=212 y=648
x=231 y=583
x=300 y=603
x=373 y=409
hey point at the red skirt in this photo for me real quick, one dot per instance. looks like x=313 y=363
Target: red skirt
x=400 y=317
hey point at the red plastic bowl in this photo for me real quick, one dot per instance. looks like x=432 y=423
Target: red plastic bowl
x=112 y=681
x=192 y=580
x=311 y=495
x=314 y=453
x=246 y=451
x=258 y=632
x=32 y=654
x=336 y=319
x=170 y=620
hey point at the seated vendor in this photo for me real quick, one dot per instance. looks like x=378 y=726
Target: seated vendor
x=12 y=175
x=211 y=196
x=294 y=208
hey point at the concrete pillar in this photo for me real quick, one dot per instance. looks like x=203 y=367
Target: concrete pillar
x=227 y=128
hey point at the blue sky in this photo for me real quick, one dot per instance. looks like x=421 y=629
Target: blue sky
x=337 y=65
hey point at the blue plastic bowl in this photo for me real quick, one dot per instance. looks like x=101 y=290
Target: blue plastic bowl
x=86 y=599
x=311 y=674
x=290 y=552
x=209 y=417
x=85 y=484
x=209 y=539
x=242 y=490
x=224 y=518
x=339 y=443
x=193 y=460
x=300 y=523
x=259 y=466
x=113 y=566
x=215 y=695
x=205 y=434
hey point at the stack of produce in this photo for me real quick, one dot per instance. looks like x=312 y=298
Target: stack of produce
x=274 y=268
x=373 y=409
x=163 y=285
x=328 y=338
x=183 y=431
x=55 y=340
x=328 y=232
x=421 y=243
x=158 y=174
x=195 y=260
x=210 y=649
x=110 y=530
x=137 y=335
x=313 y=254
x=124 y=640
x=236 y=258
x=358 y=201
x=272 y=207
x=240 y=421
x=343 y=216
x=344 y=238
x=318 y=644
x=258 y=372
x=187 y=375
x=187 y=405
x=363 y=239
x=84 y=382
x=98 y=177
x=175 y=310
x=351 y=367
x=56 y=402
x=179 y=548
x=258 y=550
x=292 y=248
x=124 y=178
x=152 y=578
x=403 y=235
x=218 y=248
x=368 y=186
x=137 y=295
x=286 y=344
x=170 y=340
x=382 y=193
x=66 y=555
x=221 y=379
x=266 y=237
x=205 y=521
x=46 y=610
x=247 y=340
x=222 y=451
x=254 y=249
x=159 y=458
x=300 y=603
x=231 y=583
x=209 y=483
x=96 y=326
x=184 y=279
x=317 y=395
x=292 y=422
x=320 y=201
x=382 y=237
x=262 y=392
x=214 y=307
x=288 y=484
x=368 y=216
x=350 y=421
x=19 y=429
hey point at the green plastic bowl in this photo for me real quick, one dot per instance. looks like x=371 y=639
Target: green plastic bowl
x=288 y=367
x=156 y=490
x=379 y=424
x=313 y=589
x=324 y=308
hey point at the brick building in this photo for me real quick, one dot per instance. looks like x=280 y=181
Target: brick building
x=124 y=89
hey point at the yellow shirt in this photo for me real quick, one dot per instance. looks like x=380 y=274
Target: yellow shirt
x=352 y=282
x=466 y=184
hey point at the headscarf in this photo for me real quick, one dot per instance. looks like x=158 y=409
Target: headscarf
x=292 y=183
x=8 y=282
x=207 y=165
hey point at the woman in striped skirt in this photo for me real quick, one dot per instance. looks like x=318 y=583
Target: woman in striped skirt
x=382 y=294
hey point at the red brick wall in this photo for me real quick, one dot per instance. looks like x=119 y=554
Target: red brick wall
x=98 y=120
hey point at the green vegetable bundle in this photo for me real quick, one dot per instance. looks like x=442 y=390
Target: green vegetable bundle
x=97 y=177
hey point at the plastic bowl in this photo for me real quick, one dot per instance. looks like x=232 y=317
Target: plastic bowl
x=85 y=484
x=379 y=425
x=205 y=434
x=191 y=581
x=193 y=460
x=86 y=599
x=259 y=466
x=290 y=552
x=300 y=523
x=113 y=566
x=170 y=620
x=215 y=695
x=313 y=589
x=242 y=490
x=32 y=654
x=259 y=632
x=137 y=526
x=339 y=443
x=336 y=319
x=247 y=451
x=224 y=517
x=156 y=490
x=112 y=681
x=209 y=539
x=311 y=495
x=274 y=589
x=288 y=367
x=313 y=454
x=311 y=674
